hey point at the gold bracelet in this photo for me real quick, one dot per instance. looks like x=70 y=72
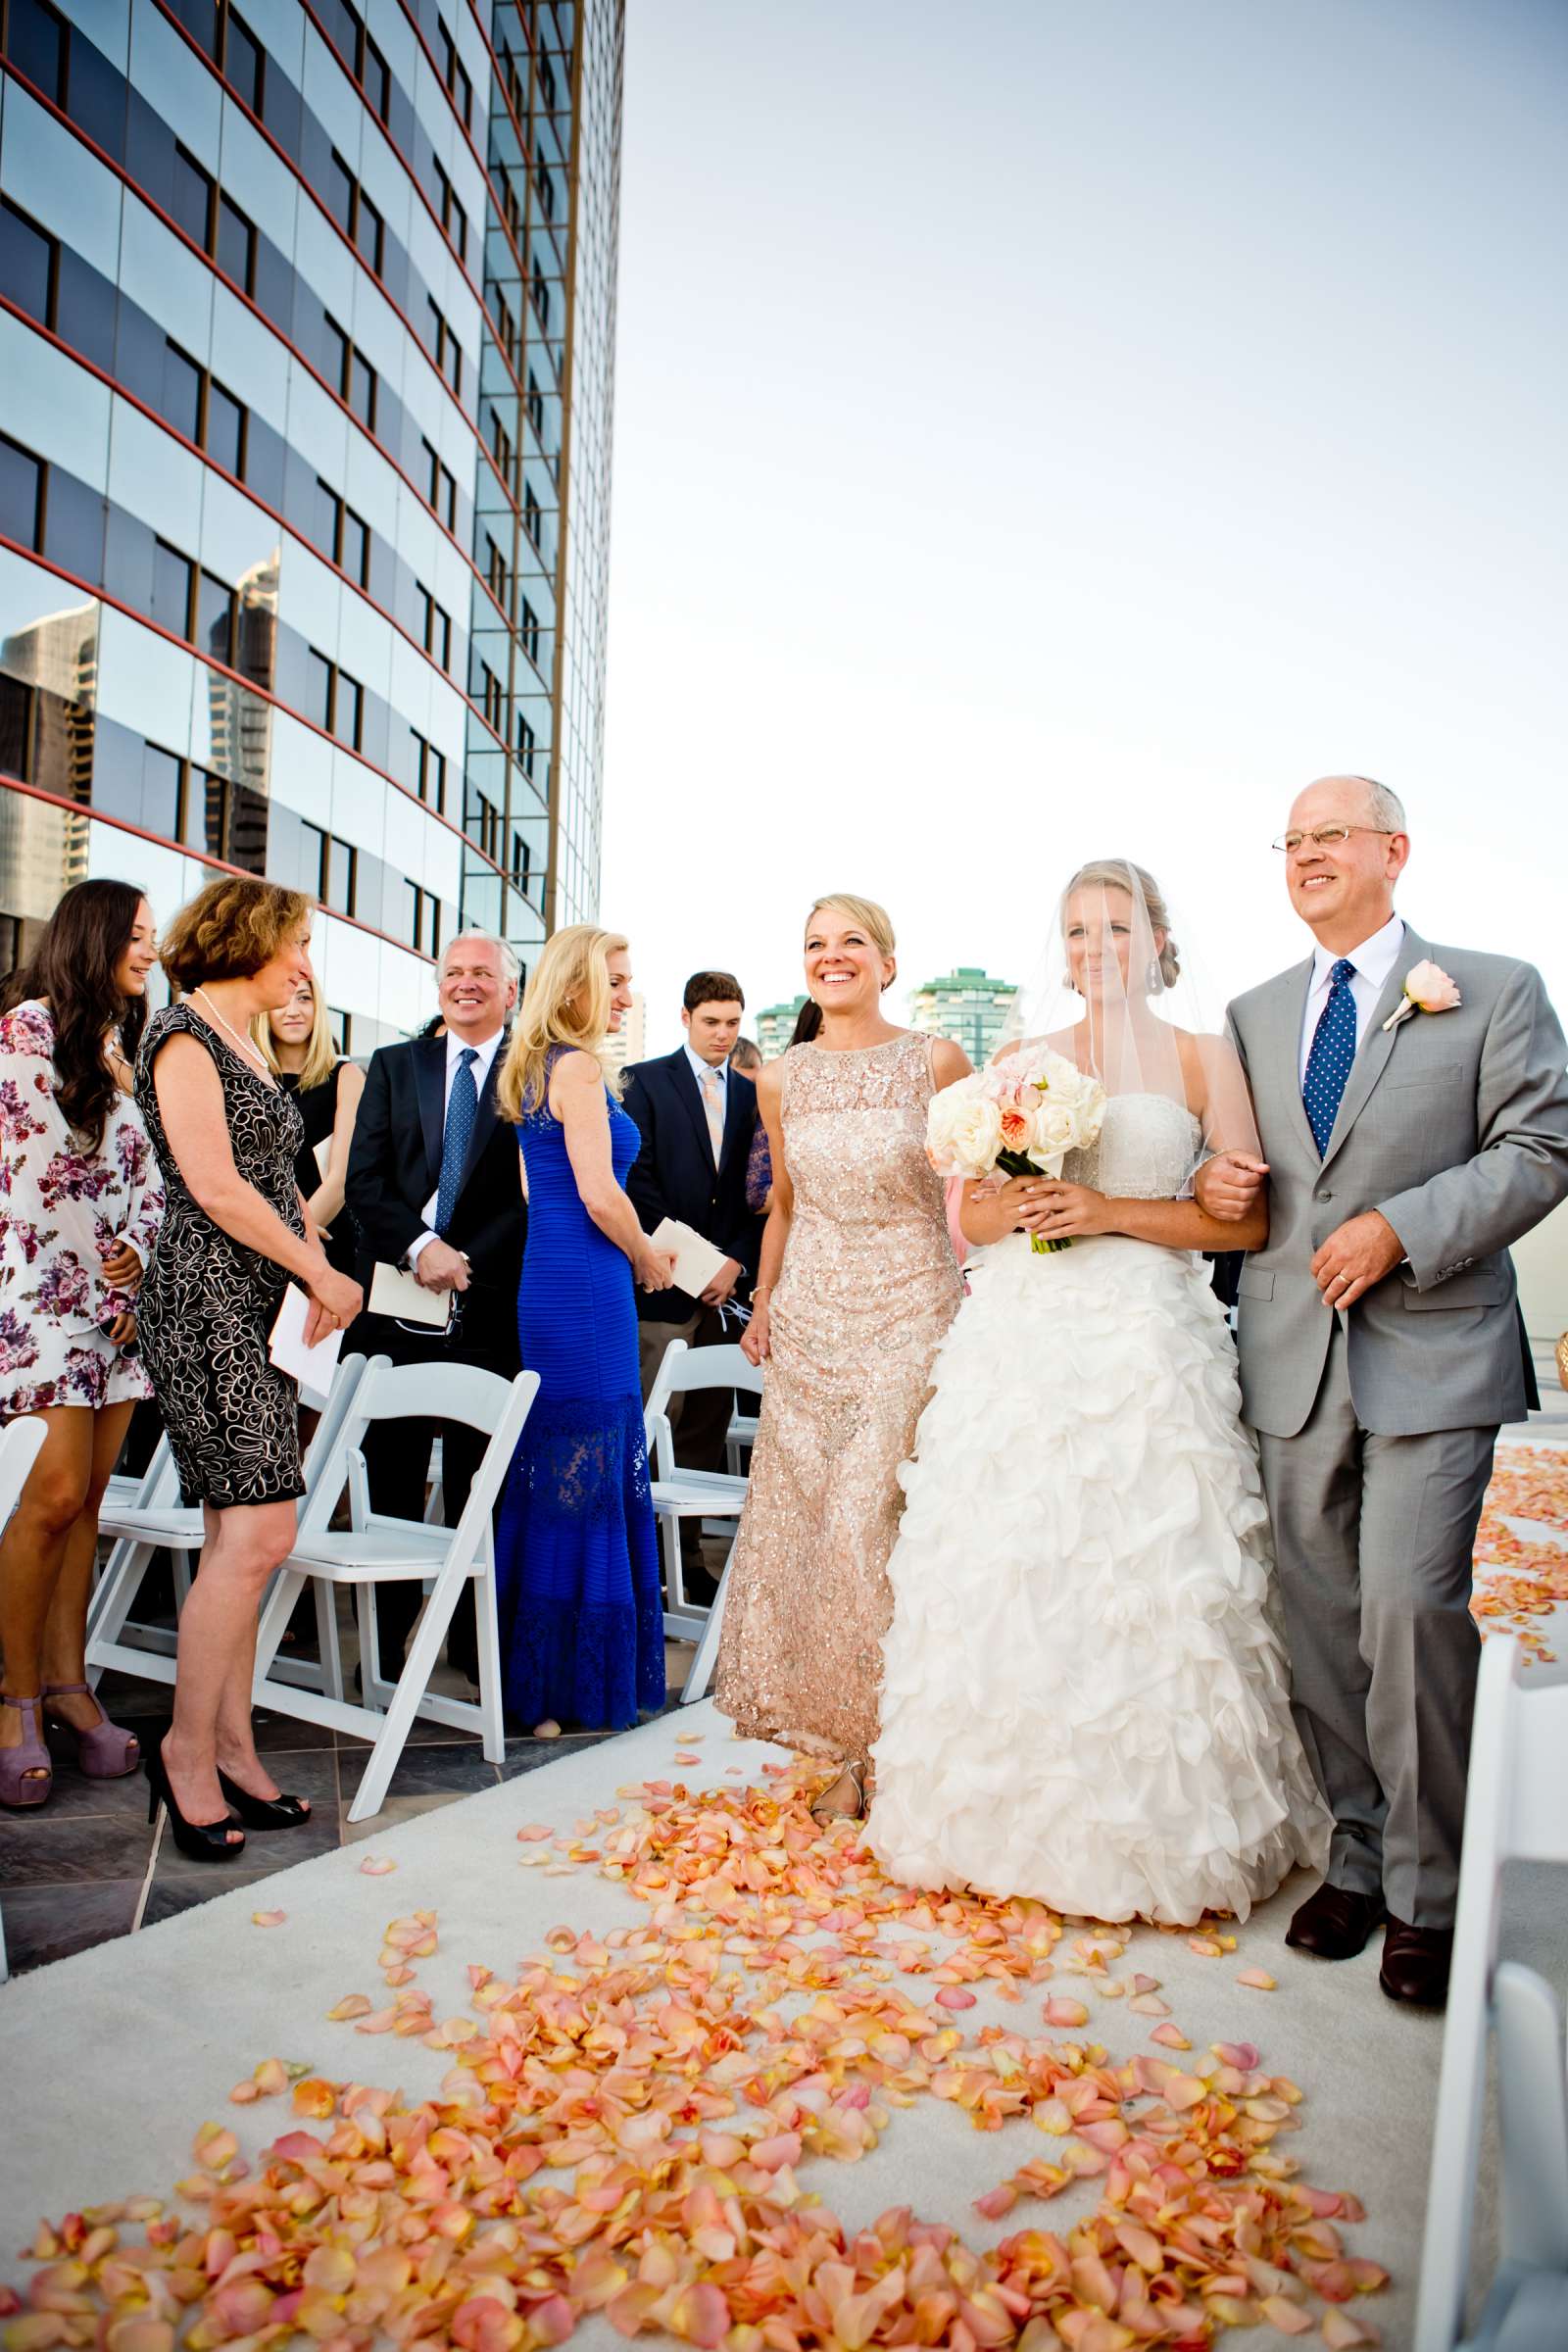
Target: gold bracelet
x=761 y=1291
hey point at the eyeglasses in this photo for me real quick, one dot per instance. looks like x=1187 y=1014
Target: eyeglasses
x=1328 y=837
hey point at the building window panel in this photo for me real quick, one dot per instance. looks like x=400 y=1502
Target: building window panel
x=191 y=198
x=339 y=193
x=216 y=619
x=28 y=260
x=225 y=430
x=235 y=253
x=319 y=694
x=181 y=404
x=370 y=231
x=354 y=548
x=377 y=79
x=20 y=493
x=348 y=717
x=338 y=891
x=244 y=61
x=171 y=588
x=361 y=390
x=36 y=43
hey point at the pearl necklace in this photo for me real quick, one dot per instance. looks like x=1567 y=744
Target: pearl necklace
x=244 y=1044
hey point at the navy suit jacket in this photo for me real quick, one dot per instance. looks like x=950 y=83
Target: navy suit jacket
x=673 y=1174
x=395 y=1165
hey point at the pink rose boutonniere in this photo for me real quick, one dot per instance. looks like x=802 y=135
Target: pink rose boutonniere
x=1427 y=989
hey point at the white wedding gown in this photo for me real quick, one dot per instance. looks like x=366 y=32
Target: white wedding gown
x=1086 y=1699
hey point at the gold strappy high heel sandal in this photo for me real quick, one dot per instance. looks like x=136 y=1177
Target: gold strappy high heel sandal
x=854 y=1773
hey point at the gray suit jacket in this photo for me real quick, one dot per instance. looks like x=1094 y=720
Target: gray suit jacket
x=1455 y=1126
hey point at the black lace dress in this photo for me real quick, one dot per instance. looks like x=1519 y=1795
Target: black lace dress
x=208 y=1304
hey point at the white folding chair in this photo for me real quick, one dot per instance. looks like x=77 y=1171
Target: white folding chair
x=21 y=1442
x=380 y=1550
x=690 y=1493
x=158 y=1521
x=739 y=1439
x=1515 y=1809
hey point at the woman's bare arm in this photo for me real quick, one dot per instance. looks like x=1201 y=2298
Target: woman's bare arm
x=578 y=1100
x=327 y=1202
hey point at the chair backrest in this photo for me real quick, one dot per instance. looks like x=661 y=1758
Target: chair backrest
x=21 y=1442
x=345 y=1384
x=684 y=1369
x=1535 y=1736
x=1514 y=1810
x=388 y=1391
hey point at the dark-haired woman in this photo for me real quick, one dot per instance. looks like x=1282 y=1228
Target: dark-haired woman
x=234 y=1231
x=79 y=1206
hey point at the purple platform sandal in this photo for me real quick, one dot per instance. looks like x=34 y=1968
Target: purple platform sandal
x=103 y=1754
x=27 y=1775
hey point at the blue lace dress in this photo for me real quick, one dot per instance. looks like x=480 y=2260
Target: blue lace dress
x=582 y=1636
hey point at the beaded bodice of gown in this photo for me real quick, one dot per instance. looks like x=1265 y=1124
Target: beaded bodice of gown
x=868 y=1288
x=1146 y=1149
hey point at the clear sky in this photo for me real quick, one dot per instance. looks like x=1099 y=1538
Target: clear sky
x=1047 y=430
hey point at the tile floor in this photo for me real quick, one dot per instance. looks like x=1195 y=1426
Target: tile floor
x=89 y=1866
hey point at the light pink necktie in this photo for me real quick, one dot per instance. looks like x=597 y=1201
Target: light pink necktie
x=713 y=1105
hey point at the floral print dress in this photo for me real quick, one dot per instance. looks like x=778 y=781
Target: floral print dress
x=62 y=1207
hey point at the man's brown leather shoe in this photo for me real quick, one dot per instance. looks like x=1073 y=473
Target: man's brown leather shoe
x=1334 y=1923
x=1415 y=1964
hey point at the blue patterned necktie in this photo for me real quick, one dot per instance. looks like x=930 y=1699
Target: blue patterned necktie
x=461 y=1112
x=1328 y=1066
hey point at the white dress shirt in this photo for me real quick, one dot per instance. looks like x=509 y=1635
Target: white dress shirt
x=1374 y=960
x=486 y=1054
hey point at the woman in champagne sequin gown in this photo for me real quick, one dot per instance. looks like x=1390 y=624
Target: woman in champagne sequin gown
x=865 y=1292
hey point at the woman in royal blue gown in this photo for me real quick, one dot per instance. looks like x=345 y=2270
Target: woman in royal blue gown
x=582 y=1637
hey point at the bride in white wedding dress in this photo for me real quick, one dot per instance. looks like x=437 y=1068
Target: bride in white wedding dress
x=1085 y=1696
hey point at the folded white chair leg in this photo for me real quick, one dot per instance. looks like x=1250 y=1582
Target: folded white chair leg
x=707 y=1658
x=327 y=1637
x=423 y=1651
x=276 y=1610
x=488 y=1647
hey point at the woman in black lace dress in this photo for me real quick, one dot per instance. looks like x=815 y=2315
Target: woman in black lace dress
x=235 y=1229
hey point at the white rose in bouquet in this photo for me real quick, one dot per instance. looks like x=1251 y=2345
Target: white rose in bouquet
x=963 y=1128
x=1056 y=1134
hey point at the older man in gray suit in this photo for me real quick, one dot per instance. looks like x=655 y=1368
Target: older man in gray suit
x=1382 y=1347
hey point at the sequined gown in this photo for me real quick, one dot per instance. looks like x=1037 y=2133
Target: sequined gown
x=869 y=1288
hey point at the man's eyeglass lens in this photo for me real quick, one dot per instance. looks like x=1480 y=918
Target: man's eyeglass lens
x=1325 y=837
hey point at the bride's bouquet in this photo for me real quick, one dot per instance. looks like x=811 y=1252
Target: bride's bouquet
x=1017 y=1117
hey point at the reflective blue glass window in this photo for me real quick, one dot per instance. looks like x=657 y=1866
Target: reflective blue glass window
x=236 y=245
x=21 y=486
x=170 y=605
x=243 y=58
x=191 y=198
x=26 y=264
x=36 y=43
x=180 y=396
x=225 y=430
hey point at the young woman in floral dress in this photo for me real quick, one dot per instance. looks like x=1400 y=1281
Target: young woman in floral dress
x=79 y=1207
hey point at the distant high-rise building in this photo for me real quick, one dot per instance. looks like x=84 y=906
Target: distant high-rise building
x=629 y=1041
x=776 y=1026
x=968 y=1005
x=307 y=354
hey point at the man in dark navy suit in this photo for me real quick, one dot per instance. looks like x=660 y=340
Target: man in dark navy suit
x=434 y=1187
x=697 y=1118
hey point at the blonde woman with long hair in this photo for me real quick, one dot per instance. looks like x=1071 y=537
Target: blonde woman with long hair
x=297 y=1041
x=856 y=1287
x=577 y=1557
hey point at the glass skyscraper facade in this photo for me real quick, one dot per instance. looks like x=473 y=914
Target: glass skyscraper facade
x=307 y=330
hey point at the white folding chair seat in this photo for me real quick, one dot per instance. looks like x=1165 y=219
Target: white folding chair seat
x=156 y=1520
x=679 y=1494
x=1514 y=1810
x=380 y=1549
x=20 y=1443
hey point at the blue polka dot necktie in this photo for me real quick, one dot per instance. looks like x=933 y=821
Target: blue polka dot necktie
x=1328 y=1066
x=461 y=1112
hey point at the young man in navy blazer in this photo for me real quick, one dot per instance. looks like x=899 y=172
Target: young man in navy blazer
x=697 y=1118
